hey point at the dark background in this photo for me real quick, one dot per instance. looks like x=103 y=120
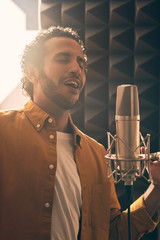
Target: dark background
x=123 y=43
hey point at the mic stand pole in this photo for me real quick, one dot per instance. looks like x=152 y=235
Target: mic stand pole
x=129 y=191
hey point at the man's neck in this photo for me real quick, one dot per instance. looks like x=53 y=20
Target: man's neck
x=62 y=123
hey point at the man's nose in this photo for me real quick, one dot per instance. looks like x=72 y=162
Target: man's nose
x=75 y=68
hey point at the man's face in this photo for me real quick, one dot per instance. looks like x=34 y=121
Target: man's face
x=62 y=76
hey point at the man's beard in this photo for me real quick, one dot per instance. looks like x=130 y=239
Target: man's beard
x=50 y=90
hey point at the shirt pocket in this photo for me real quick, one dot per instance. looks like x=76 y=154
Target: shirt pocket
x=100 y=209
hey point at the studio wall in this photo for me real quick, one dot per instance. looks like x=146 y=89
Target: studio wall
x=123 y=45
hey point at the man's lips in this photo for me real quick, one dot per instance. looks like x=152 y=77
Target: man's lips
x=72 y=82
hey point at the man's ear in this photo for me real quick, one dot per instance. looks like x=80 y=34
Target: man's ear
x=32 y=73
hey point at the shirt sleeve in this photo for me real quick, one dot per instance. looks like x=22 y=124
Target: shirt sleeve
x=141 y=222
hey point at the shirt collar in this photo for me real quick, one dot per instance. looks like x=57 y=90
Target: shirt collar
x=35 y=114
x=38 y=116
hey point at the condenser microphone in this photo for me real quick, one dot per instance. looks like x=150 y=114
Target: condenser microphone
x=127 y=130
x=128 y=162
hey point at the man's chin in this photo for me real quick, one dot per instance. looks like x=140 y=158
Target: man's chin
x=64 y=103
x=67 y=106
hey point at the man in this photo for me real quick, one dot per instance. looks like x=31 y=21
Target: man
x=53 y=181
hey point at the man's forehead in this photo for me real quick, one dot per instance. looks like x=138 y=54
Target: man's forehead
x=62 y=42
x=56 y=45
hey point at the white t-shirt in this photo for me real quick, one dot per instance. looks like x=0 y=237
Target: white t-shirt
x=67 y=199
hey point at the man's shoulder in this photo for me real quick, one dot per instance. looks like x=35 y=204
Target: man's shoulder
x=9 y=116
x=9 y=113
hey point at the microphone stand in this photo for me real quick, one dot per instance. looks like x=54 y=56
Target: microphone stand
x=129 y=191
x=114 y=168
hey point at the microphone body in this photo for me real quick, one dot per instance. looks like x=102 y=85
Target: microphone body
x=127 y=131
x=128 y=161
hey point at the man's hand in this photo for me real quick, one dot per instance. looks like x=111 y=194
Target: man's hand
x=155 y=172
x=152 y=195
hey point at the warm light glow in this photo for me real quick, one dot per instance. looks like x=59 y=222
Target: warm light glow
x=13 y=39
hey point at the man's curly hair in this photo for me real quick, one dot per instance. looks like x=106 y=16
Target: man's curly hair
x=34 y=52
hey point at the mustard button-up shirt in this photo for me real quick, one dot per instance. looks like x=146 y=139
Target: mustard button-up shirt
x=28 y=161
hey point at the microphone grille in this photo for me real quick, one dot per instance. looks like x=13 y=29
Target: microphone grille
x=127 y=101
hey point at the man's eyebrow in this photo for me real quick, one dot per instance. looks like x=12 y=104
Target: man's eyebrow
x=66 y=54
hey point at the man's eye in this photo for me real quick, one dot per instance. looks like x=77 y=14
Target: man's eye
x=62 y=60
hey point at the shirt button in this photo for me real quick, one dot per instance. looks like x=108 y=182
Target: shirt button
x=50 y=120
x=47 y=204
x=51 y=136
x=38 y=125
x=51 y=166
